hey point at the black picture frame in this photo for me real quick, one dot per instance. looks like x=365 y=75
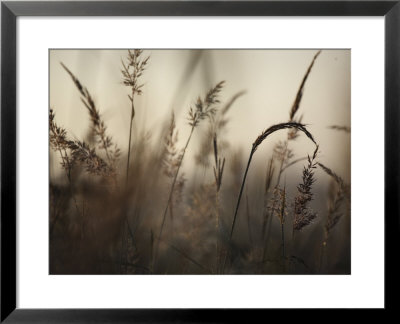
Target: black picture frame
x=9 y=13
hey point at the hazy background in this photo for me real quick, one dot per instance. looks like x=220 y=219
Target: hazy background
x=175 y=78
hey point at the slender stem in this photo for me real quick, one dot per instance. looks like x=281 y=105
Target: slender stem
x=265 y=215
x=130 y=137
x=127 y=177
x=172 y=188
x=171 y=214
x=241 y=191
x=238 y=203
x=281 y=170
x=281 y=166
x=248 y=219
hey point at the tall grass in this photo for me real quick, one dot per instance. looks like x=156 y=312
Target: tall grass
x=132 y=70
x=166 y=220
x=254 y=147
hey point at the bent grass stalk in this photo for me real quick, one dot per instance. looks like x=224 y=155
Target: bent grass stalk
x=283 y=149
x=255 y=145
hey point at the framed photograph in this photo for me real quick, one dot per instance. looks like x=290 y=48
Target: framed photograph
x=189 y=160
